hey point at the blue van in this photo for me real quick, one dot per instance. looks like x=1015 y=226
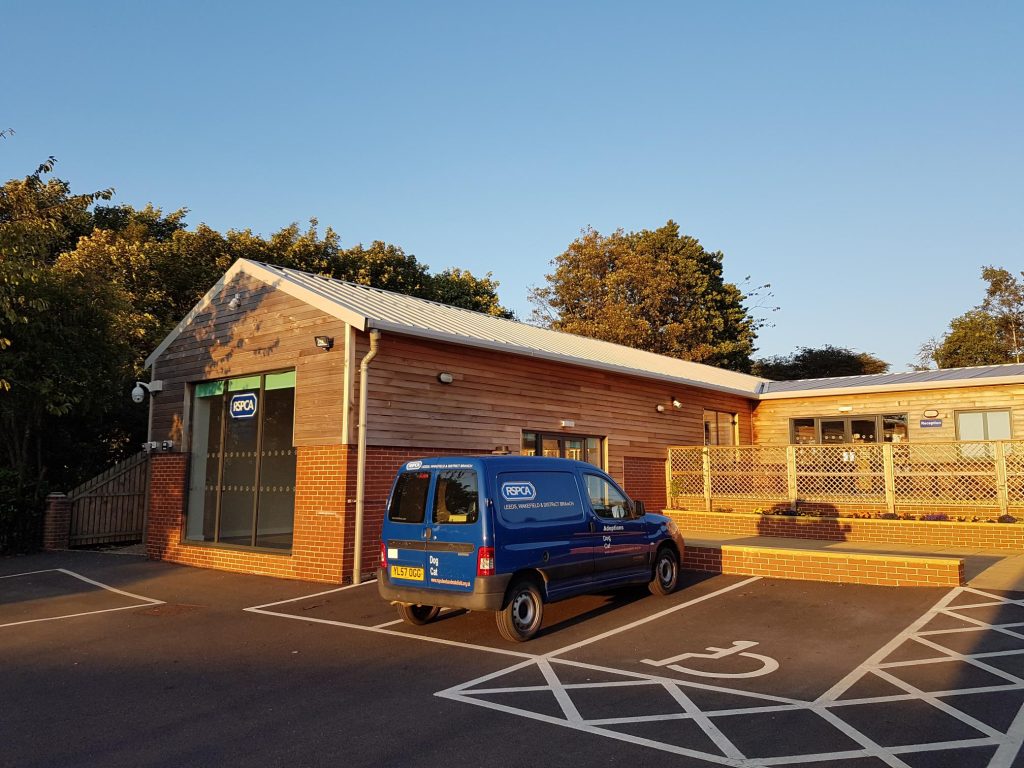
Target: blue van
x=510 y=533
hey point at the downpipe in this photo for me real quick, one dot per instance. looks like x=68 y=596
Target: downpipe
x=364 y=368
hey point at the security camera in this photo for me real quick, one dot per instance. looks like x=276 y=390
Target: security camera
x=138 y=393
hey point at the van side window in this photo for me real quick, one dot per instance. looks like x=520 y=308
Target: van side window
x=456 y=499
x=606 y=499
x=409 y=500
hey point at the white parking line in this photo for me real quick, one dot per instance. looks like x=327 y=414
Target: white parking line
x=145 y=601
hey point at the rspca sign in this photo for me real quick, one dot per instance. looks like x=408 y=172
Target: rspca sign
x=243 y=406
x=518 y=491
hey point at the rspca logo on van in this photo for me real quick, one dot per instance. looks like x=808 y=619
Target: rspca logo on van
x=243 y=406
x=521 y=491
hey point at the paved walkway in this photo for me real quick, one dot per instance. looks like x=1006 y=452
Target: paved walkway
x=983 y=568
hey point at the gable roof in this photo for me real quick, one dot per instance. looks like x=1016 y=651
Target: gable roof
x=365 y=308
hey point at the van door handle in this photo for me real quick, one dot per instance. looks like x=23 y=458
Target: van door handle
x=593 y=527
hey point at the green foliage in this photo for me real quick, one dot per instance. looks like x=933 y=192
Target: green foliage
x=657 y=290
x=990 y=334
x=87 y=291
x=819 y=363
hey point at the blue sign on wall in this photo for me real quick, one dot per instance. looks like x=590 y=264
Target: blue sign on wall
x=931 y=423
x=243 y=406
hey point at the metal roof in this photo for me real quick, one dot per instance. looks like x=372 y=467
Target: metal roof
x=365 y=308
x=931 y=379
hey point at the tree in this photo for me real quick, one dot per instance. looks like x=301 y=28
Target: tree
x=991 y=333
x=818 y=363
x=657 y=290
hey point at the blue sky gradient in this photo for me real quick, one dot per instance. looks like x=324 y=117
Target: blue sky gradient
x=866 y=159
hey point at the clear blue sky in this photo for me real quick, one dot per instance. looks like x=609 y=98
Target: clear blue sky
x=864 y=158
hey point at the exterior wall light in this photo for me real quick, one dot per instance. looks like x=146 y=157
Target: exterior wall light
x=324 y=342
x=931 y=413
x=445 y=378
x=659 y=408
x=235 y=303
x=568 y=423
x=677 y=404
x=844 y=408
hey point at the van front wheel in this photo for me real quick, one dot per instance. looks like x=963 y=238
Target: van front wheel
x=666 y=572
x=418 y=614
x=522 y=615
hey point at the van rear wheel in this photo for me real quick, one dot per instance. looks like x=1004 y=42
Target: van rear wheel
x=418 y=614
x=665 y=578
x=523 y=613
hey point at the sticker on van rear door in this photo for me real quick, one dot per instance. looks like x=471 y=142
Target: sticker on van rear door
x=518 y=491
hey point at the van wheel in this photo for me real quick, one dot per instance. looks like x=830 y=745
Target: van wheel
x=418 y=614
x=523 y=613
x=666 y=572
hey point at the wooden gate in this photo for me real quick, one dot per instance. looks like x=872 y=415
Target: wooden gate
x=110 y=508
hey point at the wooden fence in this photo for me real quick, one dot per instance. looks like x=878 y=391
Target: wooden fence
x=979 y=475
x=110 y=508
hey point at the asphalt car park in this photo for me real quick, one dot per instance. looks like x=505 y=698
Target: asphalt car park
x=112 y=660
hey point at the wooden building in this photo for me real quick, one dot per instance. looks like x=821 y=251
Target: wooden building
x=266 y=455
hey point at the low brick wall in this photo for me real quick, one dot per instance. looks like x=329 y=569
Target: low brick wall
x=998 y=536
x=879 y=570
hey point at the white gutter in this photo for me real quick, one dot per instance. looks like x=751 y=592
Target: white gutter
x=364 y=369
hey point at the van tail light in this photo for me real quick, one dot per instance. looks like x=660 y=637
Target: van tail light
x=383 y=556
x=485 y=561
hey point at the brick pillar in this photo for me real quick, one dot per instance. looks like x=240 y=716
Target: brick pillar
x=167 y=481
x=56 y=522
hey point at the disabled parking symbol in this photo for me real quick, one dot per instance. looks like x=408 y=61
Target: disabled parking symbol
x=767 y=664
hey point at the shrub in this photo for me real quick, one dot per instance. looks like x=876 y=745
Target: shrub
x=21 y=515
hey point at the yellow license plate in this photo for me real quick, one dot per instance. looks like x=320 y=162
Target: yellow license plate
x=406 y=572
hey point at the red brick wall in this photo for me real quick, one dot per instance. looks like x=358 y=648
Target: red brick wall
x=893 y=571
x=644 y=478
x=325 y=495
x=936 y=534
x=320 y=514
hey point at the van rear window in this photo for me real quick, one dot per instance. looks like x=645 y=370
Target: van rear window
x=456 y=499
x=409 y=499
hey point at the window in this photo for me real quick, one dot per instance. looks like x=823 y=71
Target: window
x=579 y=447
x=409 y=499
x=983 y=425
x=242 y=478
x=606 y=499
x=832 y=430
x=456 y=499
x=720 y=428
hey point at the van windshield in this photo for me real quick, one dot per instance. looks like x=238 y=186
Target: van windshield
x=456 y=498
x=409 y=499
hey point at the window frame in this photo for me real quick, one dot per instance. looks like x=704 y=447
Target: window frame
x=734 y=425
x=847 y=419
x=985 y=412
x=191 y=388
x=538 y=443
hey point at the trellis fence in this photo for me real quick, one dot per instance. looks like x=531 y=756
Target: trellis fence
x=982 y=475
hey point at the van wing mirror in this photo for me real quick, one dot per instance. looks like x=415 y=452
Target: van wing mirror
x=638 y=508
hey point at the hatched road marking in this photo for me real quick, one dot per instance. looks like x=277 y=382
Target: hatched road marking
x=829 y=707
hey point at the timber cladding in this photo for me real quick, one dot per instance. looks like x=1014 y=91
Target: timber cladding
x=495 y=396
x=772 y=417
x=269 y=331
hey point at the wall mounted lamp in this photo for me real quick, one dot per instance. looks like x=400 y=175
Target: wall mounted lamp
x=445 y=378
x=235 y=302
x=659 y=408
x=677 y=404
x=568 y=423
x=324 y=342
x=844 y=408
